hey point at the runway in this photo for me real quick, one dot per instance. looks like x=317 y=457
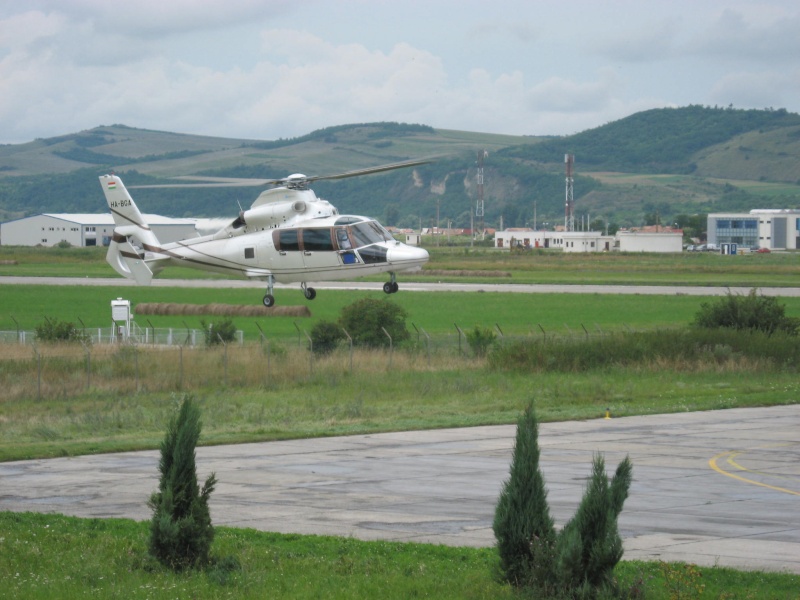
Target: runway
x=711 y=488
x=520 y=288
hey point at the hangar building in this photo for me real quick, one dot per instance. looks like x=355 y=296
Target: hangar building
x=591 y=241
x=85 y=229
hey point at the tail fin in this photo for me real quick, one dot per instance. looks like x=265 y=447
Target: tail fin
x=130 y=224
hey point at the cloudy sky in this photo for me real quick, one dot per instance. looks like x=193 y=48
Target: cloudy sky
x=268 y=69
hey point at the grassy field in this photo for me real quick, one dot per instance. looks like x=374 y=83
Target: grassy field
x=279 y=391
x=50 y=556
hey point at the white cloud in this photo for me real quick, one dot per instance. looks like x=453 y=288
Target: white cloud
x=275 y=68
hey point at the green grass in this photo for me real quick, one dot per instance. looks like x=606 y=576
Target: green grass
x=436 y=313
x=112 y=416
x=52 y=556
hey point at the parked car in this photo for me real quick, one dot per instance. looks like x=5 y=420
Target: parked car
x=763 y=251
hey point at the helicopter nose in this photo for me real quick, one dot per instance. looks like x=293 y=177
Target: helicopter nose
x=407 y=257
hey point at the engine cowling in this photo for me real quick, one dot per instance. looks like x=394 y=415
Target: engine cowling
x=273 y=214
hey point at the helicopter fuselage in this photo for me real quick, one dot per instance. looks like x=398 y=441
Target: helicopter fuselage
x=287 y=235
x=319 y=249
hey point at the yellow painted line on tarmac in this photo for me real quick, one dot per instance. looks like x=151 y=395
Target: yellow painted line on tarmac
x=732 y=454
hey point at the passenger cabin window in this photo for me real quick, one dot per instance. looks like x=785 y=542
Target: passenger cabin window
x=249 y=252
x=317 y=239
x=288 y=240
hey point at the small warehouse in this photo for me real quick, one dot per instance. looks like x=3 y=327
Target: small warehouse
x=85 y=229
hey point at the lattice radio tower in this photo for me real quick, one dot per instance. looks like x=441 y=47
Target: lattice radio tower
x=479 y=205
x=569 y=206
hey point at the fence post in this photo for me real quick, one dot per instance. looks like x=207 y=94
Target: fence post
x=350 y=340
x=153 y=329
x=544 y=335
x=18 y=327
x=88 y=365
x=417 y=330
x=585 y=331
x=460 y=333
x=136 y=364
x=500 y=331
x=225 y=360
x=391 y=346
x=310 y=354
x=38 y=372
x=180 y=381
x=428 y=346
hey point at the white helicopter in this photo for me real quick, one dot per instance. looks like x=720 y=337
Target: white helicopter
x=287 y=235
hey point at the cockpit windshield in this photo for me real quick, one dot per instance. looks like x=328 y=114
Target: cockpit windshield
x=369 y=232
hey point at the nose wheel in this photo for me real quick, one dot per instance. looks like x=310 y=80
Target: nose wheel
x=391 y=287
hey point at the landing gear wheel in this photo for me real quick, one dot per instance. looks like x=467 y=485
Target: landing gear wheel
x=310 y=293
x=388 y=288
x=269 y=300
x=395 y=287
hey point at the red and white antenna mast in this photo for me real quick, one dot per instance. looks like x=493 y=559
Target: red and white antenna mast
x=479 y=205
x=569 y=206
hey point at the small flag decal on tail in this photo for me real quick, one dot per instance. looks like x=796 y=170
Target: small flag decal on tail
x=112 y=185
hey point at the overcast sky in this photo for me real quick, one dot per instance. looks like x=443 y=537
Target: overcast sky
x=268 y=69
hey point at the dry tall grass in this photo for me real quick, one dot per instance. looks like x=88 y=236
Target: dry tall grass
x=68 y=370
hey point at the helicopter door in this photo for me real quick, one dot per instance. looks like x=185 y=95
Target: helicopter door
x=319 y=253
x=288 y=258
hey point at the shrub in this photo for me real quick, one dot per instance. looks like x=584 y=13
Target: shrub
x=55 y=330
x=480 y=340
x=222 y=331
x=752 y=312
x=180 y=530
x=578 y=562
x=522 y=524
x=366 y=319
x=589 y=546
x=325 y=336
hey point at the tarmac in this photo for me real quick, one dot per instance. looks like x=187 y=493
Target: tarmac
x=710 y=488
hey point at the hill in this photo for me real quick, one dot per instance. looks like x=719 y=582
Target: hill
x=657 y=164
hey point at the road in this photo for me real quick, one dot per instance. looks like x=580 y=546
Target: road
x=711 y=488
x=415 y=287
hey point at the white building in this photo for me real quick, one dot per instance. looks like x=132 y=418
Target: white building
x=777 y=229
x=85 y=229
x=639 y=241
x=591 y=241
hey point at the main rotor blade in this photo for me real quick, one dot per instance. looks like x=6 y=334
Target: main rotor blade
x=209 y=182
x=213 y=182
x=370 y=170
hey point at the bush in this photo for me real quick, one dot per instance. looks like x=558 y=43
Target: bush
x=480 y=340
x=180 y=530
x=366 y=319
x=522 y=524
x=589 y=546
x=752 y=312
x=579 y=561
x=55 y=330
x=221 y=331
x=325 y=336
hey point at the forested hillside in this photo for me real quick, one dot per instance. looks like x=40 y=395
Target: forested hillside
x=663 y=140
x=657 y=165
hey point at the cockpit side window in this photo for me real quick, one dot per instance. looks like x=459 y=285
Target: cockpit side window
x=343 y=239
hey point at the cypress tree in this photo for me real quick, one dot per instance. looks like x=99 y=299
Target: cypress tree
x=180 y=530
x=589 y=546
x=522 y=524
